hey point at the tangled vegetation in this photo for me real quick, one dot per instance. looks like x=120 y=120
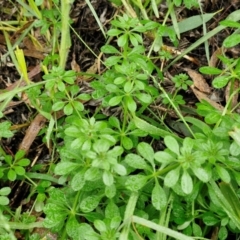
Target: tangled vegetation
x=129 y=129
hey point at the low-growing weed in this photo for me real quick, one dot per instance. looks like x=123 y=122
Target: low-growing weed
x=120 y=171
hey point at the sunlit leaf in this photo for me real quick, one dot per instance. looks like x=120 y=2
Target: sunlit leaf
x=159 y=198
x=186 y=182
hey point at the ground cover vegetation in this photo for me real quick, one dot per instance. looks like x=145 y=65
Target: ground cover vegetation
x=119 y=119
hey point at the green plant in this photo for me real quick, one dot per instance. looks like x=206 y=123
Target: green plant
x=119 y=171
x=14 y=166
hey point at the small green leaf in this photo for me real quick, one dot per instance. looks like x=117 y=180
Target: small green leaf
x=4 y=130
x=133 y=40
x=109 y=49
x=210 y=219
x=19 y=170
x=112 y=210
x=229 y=23
x=64 y=168
x=136 y=161
x=128 y=86
x=89 y=203
x=100 y=225
x=113 y=121
x=114 y=32
x=122 y=40
x=223 y=174
x=159 y=198
x=202 y=174
x=110 y=191
x=8 y=159
x=172 y=177
x=131 y=104
x=58 y=106
x=5 y=191
x=186 y=182
x=20 y=154
x=114 y=101
x=212 y=117
x=136 y=182
x=197 y=231
x=210 y=70
x=120 y=169
x=92 y=174
x=11 y=175
x=221 y=81
x=113 y=60
x=68 y=109
x=72 y=228
x=4 y=201
x=127 y=143
x=119 y=80
x=164 y=157
x=24 y=162
x=108 y=178
x=172 y=144
x=61 y=86
x=177 y=3
x=234 y=149
x=78 y=181
x=146 y=151
x=231 y=41
x=78 y=106
x=143 y=97
x=223 y=233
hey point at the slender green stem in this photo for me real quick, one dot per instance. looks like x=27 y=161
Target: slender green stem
x=157 y=227
x=41 y=176
x=20 y=225
x=128 y=214
x=65 y=33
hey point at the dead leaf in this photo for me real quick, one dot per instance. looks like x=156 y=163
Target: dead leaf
x=92 y=70
x=214 y=58
x=198 y=81
x=228 y=91
x=74 y=65
x=34 y=53
x=203 y=96
x=31 y=133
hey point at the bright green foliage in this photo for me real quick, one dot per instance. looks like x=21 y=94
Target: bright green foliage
x=228 y=75
x=121 y=171
x=14 y=166
x=3 y=193
x=5 y=131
